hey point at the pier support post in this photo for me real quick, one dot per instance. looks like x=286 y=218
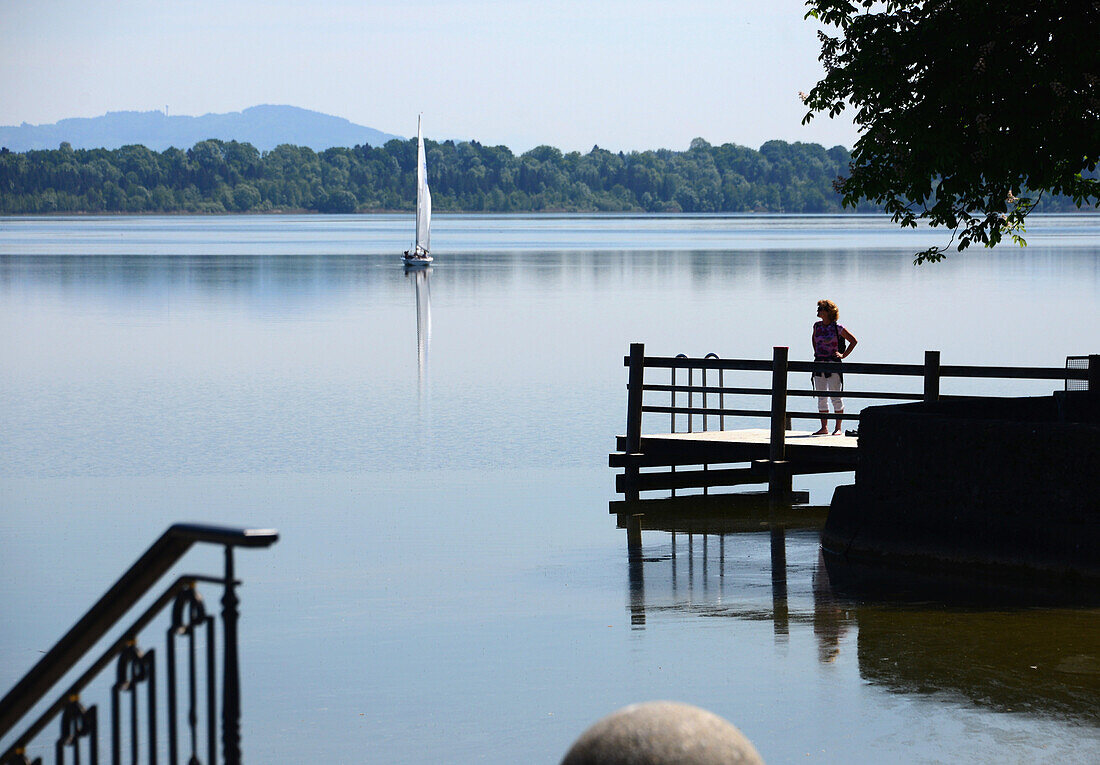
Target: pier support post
x=931 y=375
x=634 y=533
x=780 y=613
x=634 y=384
x=779 y=478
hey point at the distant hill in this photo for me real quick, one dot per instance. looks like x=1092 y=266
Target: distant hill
x=265 y=127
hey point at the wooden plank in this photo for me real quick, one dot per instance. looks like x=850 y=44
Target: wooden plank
x=757 y=365
x=750 y=436
x=712 y=412
x=706 y=410
x=671 y=451
x=857 y=367
x=869 y=368
x=802 y=467
x=1015 y=373
x=714 y=389
x=708 y=389
x=693 y=479
x=761 y=466
x=807 y=453
x=677 y=362
x=719 y=513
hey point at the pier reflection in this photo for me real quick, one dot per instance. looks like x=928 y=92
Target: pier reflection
x=727 y=561
x=1034 y=652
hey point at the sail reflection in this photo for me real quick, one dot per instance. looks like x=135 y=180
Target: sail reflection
x=1030 y=652
x=422 y=286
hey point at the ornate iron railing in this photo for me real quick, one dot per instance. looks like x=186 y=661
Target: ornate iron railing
x=134 y=721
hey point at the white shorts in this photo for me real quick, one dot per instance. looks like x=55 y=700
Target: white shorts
x=831 y=384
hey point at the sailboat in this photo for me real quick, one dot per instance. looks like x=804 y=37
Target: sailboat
x=419 y=255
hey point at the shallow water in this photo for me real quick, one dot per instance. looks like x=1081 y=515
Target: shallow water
x=449 y=585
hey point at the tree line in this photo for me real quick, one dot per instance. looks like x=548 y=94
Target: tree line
x=226 y=176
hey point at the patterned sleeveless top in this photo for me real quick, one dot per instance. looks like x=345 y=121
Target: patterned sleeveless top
x=826 y=340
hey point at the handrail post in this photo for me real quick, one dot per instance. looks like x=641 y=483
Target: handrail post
x=931 y=375
x=1094 y=376
x=634 y=398
x=231 y=692
x=635 y=380
x=777 y=443
x=779 y=478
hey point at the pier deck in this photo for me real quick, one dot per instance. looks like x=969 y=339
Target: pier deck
x=742 y=446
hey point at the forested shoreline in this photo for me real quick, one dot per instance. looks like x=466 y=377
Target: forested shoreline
x=226 y=176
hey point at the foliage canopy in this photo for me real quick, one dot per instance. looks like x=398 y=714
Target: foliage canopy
x=968 y=111
x=227 y=176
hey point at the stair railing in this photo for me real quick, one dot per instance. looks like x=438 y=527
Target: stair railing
x=136 y=669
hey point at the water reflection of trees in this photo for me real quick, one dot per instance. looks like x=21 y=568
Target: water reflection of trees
x=1010 y=652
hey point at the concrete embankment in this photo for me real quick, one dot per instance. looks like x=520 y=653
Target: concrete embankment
x=1004 y=488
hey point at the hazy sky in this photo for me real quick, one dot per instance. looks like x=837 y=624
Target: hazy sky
x=623 y=74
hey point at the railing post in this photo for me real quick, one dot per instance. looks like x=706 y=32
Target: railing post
x=779 y=477
x=231 y=698
x=634 y=416
x=931 y=375
x=777 y=443
x=1094 y=376
x=634 y=398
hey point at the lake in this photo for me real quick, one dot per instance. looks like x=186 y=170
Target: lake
x=449 y=585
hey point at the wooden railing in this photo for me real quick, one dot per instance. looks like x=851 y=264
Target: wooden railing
x=930 y=373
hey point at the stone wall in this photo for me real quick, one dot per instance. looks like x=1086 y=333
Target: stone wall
x=1009 y=484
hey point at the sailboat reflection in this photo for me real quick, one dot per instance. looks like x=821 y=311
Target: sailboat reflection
x=1028 y=654
x=421 y=284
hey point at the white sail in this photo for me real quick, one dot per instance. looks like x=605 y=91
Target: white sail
x=423 y=197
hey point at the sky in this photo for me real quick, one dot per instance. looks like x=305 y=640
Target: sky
x=624 y=75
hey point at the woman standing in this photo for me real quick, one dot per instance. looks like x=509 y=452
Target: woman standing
x=831 y=343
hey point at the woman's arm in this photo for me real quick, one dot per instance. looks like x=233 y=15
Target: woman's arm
x=851 y=341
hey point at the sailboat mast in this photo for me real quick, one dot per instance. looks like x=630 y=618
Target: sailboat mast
x=419 y=181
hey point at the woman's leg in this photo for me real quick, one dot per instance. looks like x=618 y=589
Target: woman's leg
x=838 y=403
x=820 y=383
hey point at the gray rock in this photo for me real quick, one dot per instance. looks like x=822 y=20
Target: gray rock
x=662 y=733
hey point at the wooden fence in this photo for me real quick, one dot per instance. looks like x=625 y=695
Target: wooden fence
x=1083 y=372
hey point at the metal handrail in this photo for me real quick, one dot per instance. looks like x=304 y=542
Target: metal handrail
x=116 y=602
x=182 y=583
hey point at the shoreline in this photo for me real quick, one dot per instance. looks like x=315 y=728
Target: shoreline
x=548 y=212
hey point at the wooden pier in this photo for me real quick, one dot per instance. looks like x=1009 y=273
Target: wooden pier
x=773 y=455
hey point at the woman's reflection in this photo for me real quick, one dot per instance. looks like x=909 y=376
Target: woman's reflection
x=830 y=619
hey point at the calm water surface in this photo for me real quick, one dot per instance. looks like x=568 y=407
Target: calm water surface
x=449 y=586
